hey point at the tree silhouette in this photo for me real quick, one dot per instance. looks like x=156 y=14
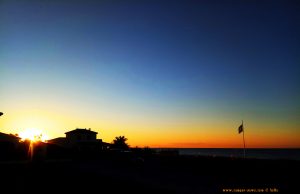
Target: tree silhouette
x=120 y=143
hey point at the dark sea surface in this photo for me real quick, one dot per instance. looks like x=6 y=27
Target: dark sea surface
x=259 y=153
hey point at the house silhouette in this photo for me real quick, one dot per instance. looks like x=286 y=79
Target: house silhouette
x=81 y=140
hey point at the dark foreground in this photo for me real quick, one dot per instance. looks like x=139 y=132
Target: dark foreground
x=171 y=174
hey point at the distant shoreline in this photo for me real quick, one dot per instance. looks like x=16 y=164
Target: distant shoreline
x=252 y=153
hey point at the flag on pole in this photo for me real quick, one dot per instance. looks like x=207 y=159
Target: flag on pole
x=241 y=128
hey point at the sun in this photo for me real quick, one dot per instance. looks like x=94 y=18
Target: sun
x=33 y=135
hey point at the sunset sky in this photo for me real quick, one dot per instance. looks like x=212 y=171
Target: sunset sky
x=162 y=73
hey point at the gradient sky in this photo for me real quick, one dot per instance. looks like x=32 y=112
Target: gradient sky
x=162 y=73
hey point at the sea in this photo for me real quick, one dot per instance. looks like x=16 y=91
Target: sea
x=258 y=153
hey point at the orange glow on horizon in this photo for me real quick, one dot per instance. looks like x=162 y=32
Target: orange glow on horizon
x=151 y=133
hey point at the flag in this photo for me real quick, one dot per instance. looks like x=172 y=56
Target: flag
x=241 y=128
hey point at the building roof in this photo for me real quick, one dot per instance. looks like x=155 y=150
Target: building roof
x=62 y=141
x=81 y=131
x=58 y=139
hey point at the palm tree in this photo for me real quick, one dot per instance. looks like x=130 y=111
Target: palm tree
x=120 y=143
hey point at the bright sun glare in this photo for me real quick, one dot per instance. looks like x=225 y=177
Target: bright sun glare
x=33 y=135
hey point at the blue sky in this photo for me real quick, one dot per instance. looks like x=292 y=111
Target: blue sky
x=177 y=59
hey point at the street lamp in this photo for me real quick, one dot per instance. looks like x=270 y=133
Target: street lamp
x=1 y=113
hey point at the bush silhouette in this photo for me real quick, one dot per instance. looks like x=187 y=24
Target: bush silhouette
x=120 y=143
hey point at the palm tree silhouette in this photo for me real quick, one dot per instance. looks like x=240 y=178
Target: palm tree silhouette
x=120 y=143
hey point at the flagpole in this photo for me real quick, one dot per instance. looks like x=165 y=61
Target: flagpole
x=244 y=140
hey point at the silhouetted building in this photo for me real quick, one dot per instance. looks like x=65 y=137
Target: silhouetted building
x=81 y=136
x=60 y=141
x=81 y=140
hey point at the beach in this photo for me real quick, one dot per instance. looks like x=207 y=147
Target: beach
x=155 y=174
